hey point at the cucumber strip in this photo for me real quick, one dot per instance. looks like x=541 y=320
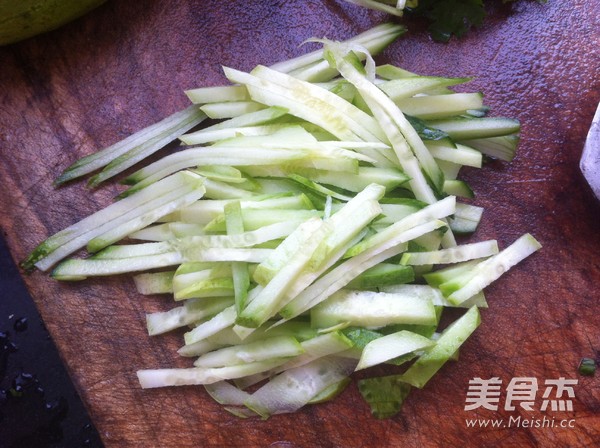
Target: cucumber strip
x=458 y=188
x=345 y=272
x=347 y=223
x=194 y=310
x=78 y=235
x=476 y=128
x=254 y=219
x=419 y=373
x=204 y=136
x=364 y=125
x=456 y=254
x=168 y=203
x=314 y=348
x=391 y=346
x=382 y=275
x=129 y=159
x=503 y=147
x=202 y=212
x=316 y=188
x=220 y=321
x=227 y=394
x=450 y=169
x=154 y=283
x=221 y=190
x=491 y=269
x=389 y=178
x=404 y=139
x=241 y=277
x=189 y=274
x=156 y=233
x=300 y=330
x=79 y=269
x=393 y=213
x=230 y=156
x=262 y=350
x=134 y=250
x=433 y=107
x=465 y=219
x=267 y=269
x=309 y=102
x=374 y=40
x=437 y=210
x=197 y=375
x=262 y=234
x=435 y=295
x=147 y=140
x=373 y=309
x=291 y=133
x=292 y=389
x=399 y=89
x=221 y=173
x=184 y=230
x=446 y=274
x=198 y=348
x=217 y=94
x=251 y=119
x=226 y=254
x=218 y=111
x=268 y=301
x=459 y=154
x=210 y=287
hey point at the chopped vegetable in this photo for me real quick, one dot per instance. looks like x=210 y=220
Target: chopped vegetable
x=296 y=235
x=587 y=366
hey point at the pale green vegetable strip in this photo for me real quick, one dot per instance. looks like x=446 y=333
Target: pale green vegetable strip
x=169 y=203
x=345 y=272
x=217 y=94
x=404 y=139
x=373 y=39
x=373 y=309
x=448 y=343
x=261 y=350
x=193 y=311
x=154 y=283
x=490 y=270
x=310 y=103
x=391 y=346
x=293 y=388
x=222 y=320
x=218 y=111
x=268 y=301
x=148 y=139
x=314 y=348
x=134 y=250
x=437 y=210
x=440 y=106
x=241 y=277
x=455 y=254
x=79 y=269
x=78 y=235
x=460 y=154
x=198 y=375
x=399 y=89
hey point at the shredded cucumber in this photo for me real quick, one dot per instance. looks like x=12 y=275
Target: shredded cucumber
x=308 y=233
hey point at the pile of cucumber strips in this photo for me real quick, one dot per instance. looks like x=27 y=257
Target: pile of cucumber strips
x=307 y=232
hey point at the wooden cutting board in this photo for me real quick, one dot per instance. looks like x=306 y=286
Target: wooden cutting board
x=91 y=83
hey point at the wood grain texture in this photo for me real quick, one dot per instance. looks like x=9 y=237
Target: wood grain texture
x=73 y=91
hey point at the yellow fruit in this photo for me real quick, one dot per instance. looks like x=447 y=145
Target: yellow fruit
x=20 y=19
